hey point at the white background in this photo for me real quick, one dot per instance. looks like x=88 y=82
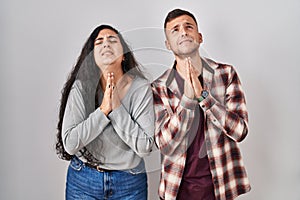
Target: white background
x=41 y=40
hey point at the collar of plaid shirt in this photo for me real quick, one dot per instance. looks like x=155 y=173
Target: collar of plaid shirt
x=208 y=69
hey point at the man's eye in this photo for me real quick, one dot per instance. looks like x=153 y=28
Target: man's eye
x=174 y=30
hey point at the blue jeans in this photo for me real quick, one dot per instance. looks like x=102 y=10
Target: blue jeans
x=85 y=183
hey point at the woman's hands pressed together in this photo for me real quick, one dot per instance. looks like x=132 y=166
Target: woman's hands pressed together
x=106 y=105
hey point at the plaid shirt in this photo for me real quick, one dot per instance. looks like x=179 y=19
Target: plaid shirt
x=226 y=124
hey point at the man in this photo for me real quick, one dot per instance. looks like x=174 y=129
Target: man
x=201 y=115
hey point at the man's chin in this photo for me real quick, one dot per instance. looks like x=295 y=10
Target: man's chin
x=186 y=53
x=187 y=50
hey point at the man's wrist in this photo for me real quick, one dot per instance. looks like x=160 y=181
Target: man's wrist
x=201 y=98
x=204 y=94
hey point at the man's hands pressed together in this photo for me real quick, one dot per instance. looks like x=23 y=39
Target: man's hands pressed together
x=192 y=85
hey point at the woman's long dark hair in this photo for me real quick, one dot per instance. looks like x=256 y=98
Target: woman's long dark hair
x=128 y=64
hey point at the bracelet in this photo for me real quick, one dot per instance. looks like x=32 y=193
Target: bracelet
x=204 y=94
x=200 y=99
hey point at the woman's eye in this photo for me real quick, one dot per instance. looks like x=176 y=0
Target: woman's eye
x=113 y=40
x=98 y=42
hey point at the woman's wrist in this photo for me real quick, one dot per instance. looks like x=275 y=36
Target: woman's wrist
x=105 y=112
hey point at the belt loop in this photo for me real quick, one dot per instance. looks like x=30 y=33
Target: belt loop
x=99 y=169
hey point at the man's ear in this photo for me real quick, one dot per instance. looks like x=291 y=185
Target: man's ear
x=200 y=38
x=167 y=44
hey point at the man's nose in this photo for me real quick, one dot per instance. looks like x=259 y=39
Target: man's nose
x=183 y=31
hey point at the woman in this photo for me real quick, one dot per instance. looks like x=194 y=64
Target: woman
x=106 y=121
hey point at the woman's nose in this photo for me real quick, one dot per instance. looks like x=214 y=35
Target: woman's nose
x=106 y=42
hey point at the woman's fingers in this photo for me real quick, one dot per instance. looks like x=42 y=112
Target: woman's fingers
x=108 y=81
x=112 y=81
x=106 y=105
x=110 y=85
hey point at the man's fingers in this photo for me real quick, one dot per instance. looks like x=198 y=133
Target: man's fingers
x=192 y=69
x=196 y=83
x=188 y=72
x=193 y=74
x=192 y=78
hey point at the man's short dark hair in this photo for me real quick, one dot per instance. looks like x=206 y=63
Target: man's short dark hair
x=177 y=13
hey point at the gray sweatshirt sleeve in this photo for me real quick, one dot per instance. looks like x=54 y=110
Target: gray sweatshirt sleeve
x=136 y=126
x=77 y=129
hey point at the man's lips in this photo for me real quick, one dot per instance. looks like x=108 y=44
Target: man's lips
x=185 y=40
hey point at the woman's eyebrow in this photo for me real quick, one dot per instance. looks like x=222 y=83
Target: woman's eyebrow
x=110 y=37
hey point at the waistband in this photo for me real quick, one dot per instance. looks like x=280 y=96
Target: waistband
x=79 y=163
x=97 y=167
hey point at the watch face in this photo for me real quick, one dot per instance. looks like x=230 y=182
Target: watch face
x=204 y=93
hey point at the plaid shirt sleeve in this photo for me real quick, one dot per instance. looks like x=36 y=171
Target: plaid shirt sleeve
x=228 y=112
x=226 y=125
x=173 y=119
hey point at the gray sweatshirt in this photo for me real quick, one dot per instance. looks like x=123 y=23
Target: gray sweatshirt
x=118 y=140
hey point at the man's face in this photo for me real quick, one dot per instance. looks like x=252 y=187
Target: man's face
x=182 y=36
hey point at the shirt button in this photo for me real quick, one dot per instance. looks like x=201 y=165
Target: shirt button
x=215 y=181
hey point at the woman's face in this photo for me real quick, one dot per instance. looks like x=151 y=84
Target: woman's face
x=108 y=49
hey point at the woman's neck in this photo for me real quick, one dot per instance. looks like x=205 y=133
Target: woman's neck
x=117 y=72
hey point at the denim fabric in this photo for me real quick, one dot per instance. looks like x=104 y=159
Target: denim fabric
x=85 y=183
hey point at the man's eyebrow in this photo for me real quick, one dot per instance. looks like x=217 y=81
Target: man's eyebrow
x=186 y=23
x=189 y=23
x=176 y=26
